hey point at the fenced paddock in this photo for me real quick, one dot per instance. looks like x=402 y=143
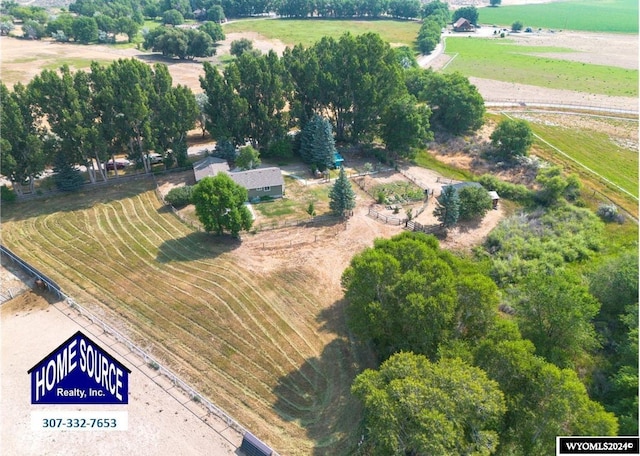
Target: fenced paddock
x=164 y=377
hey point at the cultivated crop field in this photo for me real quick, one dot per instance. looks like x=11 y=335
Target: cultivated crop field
x=618 y=16
x=261 y=343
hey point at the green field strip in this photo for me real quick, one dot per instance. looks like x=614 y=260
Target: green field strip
x=309 y=31
x=500 y=59
x=618 y=165
x=619 y=16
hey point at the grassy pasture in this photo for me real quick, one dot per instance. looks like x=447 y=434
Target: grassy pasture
x=619 y=16
x=501 y=59
x=262 y=345
x=593 y=143
x=596 y=151
x=309 y=31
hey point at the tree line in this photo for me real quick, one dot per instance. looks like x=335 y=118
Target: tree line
x=76 y=119
x=358 y=83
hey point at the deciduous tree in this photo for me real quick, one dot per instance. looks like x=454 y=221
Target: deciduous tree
x=401 y=295
x=543 y=401
x=470 y=13
x=405 y=126
x=457 y=105
x=248 y=158
x=512 y=138
x=413 y=406
x=555 y=312
x=220 y=207
x=474 y=203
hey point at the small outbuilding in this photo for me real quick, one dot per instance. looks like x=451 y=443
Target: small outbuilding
x=338 y=160
x=495 y=198
x=209 y=166
x=463 y=25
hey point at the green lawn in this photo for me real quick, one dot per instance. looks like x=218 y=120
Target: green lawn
x=77 y=63
x=620 y=16
x=295 y=203
x=501 y=59
x=309 y=31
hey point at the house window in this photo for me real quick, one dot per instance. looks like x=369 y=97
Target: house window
x=258 y=189
x=266 y=189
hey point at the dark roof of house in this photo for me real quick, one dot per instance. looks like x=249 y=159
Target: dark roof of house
x=462 y=22
x=461 y=185
x=258 y=178
x=209 y=166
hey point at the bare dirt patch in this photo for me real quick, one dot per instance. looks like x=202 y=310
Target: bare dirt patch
x=158 y=423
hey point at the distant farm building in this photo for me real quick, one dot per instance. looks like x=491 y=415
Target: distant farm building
x=463 y=25
x=260 y=182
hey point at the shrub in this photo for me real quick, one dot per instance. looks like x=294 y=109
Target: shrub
x=507 y=190
x=281 y=149
x=311 y=209
x=7 y=195
x=609 y=213
x=179 y=196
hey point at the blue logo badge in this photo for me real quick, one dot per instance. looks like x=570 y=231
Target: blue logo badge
x=79 y=372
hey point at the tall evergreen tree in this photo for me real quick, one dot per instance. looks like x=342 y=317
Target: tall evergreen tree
x=342 y=197
x=448 y=209
x=306 y=138
x=323 y=146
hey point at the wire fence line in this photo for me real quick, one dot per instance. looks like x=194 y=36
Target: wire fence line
x=148 y=360
x=608 y=107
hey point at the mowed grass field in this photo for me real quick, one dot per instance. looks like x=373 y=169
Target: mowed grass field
x=503 y=60
x=618 y=16
x=309 y=31
x=263 y=346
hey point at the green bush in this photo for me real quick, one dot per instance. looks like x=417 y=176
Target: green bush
x=540 y=241
x=609 y=213
x=179 y=196
x=7 y=195
x=281 y=149
x=514 y=192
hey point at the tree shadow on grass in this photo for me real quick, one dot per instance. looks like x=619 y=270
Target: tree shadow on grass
x=317 y=395
x=159 y=58
x=196 y=246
